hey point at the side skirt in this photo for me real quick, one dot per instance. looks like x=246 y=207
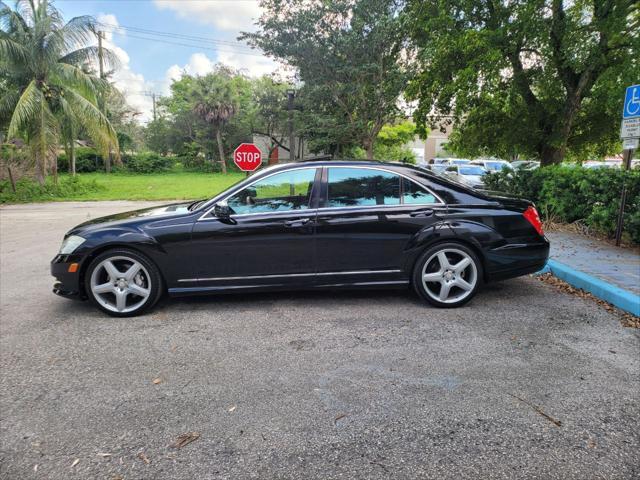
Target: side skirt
x=186 y=291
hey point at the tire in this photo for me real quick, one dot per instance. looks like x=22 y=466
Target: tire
x=119 y=290
x=461 y=281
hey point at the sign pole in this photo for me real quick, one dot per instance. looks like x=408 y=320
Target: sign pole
x=627 y=156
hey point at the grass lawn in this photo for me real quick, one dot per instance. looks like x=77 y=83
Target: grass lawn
x=159 y=186
x=177 y=185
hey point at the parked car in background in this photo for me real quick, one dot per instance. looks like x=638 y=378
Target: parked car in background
x=491 y=165
x=596 y=164
x=469 y=175
x=439 y=165
x=525 y=164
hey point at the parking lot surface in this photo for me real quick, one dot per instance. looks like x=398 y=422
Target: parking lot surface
x=524 y=382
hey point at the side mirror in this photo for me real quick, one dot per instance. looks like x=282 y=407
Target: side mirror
x=222 y=210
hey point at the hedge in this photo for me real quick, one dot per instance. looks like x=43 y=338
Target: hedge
x=569 y=194
x=88 y=160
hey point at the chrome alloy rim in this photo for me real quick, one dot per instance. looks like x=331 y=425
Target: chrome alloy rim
x=120 y=284
x=449 y=275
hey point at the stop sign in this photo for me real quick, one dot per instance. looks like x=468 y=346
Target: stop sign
x=247 y=157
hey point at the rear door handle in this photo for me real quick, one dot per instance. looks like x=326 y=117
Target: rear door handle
x=301 y=222
x=425 y=212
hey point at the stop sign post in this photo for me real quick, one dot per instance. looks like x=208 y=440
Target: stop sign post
x=247 y=157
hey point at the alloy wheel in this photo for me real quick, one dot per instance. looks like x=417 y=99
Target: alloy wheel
x=120 y=284
x=449 y=275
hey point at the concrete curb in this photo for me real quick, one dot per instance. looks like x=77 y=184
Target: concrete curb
x=623 y=299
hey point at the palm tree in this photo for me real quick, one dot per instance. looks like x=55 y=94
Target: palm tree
x=48 y=86
x=216 y=100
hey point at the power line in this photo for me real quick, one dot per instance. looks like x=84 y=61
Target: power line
x=180 y=36
x=201 y=47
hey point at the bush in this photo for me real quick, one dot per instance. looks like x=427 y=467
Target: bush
x=568 y=194
x=28 y=190
x=87 y=160
x=148 y=162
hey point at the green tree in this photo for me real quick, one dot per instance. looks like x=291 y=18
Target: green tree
x=46 y=88
x=215 y=100
x=349 y=56
x=538 y=78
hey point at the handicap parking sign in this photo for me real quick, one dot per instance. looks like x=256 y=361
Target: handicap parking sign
x=632 y=102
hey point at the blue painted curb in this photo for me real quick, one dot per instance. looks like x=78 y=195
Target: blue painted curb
x=623 y=299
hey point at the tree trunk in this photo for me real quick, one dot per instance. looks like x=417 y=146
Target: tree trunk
x=54 y=168
x=40 y=169
x=11 y=179
x=72 y=158
x=223 y=163
x=551 y=155
x=368 y=145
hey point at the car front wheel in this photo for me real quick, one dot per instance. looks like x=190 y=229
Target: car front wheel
x=123 y=283
x=447 y=275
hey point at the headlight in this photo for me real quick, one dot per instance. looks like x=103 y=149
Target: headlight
x=70 y=244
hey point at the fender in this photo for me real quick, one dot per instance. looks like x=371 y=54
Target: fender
x=464 y=231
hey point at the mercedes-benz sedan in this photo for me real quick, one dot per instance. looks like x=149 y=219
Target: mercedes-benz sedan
x=306 y=225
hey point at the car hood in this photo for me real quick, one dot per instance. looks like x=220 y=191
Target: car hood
x=133 y=217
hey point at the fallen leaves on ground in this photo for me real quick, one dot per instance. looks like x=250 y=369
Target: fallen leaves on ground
x=232 y=408
x=185 y=439
x=142 y=456
x=627 y=319
x=157 y=381
x=75 y=462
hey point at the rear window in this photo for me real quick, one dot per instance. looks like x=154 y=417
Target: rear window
x=354 y=187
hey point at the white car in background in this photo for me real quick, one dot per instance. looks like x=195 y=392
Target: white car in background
x=469 y=175
x=492 y=165
x=525 y=165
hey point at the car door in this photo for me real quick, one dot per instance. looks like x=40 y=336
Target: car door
x=366 y=222
x=268 y=238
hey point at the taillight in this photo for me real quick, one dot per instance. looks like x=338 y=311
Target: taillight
x=531 y=214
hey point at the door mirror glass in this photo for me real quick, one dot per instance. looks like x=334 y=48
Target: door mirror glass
x=222 y=210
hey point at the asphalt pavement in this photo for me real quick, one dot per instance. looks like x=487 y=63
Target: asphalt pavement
x=524 y=382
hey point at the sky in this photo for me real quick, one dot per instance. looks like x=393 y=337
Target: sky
x=151 y=60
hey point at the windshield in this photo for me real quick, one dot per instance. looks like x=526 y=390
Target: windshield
x=460 y=161
x=495 y=165
x=471 y=170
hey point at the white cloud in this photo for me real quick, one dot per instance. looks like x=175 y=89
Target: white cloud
x=131 y=84
x=227 y=15
x=200 y=64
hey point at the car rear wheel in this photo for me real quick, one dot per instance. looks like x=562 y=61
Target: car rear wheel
x=123 y=283
x=447 y=275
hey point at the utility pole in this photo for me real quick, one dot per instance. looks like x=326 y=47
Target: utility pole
x=153 y=97
x=107 y=161
x=292 y=139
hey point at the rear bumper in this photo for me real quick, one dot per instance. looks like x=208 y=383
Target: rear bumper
x=515 y=260
x=68 y=285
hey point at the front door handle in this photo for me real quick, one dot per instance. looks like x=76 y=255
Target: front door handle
x=425 y=212
x=301 y=222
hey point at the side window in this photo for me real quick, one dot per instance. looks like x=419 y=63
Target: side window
x=412 y=193
x=349 y=187
x=278 y=193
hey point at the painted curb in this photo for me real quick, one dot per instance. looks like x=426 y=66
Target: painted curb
x=623 y=299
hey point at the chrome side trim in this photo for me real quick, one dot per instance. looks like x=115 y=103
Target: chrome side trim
x=289 y=275
x=290 y=212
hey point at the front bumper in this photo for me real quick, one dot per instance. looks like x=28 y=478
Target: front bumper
x=68 y=284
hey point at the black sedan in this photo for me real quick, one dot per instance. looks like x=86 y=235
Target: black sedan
x=306 y=225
